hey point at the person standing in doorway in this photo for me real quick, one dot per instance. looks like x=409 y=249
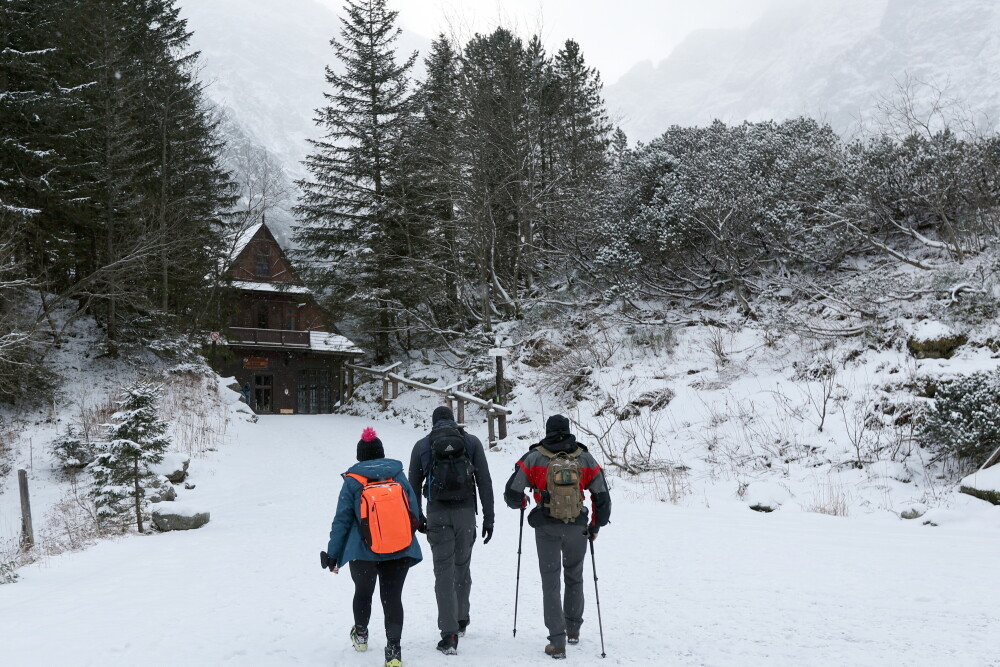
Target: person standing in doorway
x=558 y=470
x=450 y=465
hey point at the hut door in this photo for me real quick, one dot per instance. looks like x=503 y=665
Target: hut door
x=262 y=392
x=314 y=392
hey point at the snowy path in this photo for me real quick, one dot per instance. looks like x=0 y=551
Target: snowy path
x=686 y=586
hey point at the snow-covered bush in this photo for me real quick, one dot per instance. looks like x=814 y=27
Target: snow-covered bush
x=136 y=439
x=72 y=451
x=964 y=421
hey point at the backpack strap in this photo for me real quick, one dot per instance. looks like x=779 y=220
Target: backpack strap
x=357 y=478
x=547 y=453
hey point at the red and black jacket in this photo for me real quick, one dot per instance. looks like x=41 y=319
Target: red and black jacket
x=531 y=470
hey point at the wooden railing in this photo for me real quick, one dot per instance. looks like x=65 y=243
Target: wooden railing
x=270 y=337
x=453 y=396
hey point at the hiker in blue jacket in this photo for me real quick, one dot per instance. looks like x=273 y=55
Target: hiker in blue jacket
x=348 y=546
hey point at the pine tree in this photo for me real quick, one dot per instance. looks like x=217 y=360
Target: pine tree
x=189 y=187
x=349 y=225
x=136 y=439
x=434 y=153
x=584 y=126
x=495 y=149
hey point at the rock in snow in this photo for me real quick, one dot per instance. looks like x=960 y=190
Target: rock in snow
x=174 y=467
x=162 y=492
x=984 y=484
x=178 y=516
x=934 y=340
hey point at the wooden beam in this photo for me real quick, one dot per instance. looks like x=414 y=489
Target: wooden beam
x=380 y=372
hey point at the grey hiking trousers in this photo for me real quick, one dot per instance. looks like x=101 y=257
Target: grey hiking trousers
x=451 y=533
x=561 y=547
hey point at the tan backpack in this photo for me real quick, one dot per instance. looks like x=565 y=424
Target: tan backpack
x=562 y=483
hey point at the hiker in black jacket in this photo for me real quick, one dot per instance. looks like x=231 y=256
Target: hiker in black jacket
x=558 y=470
x=449 y=465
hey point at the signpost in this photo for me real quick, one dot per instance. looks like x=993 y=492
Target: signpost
x=27 y=530
x=499 y=353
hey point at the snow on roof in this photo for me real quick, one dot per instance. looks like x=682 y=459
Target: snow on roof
x=244 y=239
x=283 y=287
x=324 y=341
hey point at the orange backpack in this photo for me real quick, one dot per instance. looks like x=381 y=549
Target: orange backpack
x=387 y=522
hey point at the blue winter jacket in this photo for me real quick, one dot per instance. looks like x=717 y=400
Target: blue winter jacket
x=346 y=543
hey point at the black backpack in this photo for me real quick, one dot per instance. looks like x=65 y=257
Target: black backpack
x=451 y=477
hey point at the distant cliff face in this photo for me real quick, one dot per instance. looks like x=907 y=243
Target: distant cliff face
x=830 y=59
x=264 y=63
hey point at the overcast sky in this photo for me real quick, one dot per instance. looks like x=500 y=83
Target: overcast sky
x=614 y=34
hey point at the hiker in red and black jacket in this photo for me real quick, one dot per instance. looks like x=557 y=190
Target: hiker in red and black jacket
x=558 y=469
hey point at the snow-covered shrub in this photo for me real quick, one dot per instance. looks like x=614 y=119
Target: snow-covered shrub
x=653 y=340
x=192 y=403
x=9 y=561
x=964 y=421
x=72 y=451
x=832 y=499
x=6 y=451
x=136 y=439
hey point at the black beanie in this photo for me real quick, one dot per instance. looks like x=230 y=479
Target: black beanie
x=556 y=424
x=369 y=446
x=442 y=412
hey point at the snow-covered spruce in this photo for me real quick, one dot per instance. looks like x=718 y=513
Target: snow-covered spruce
x=136 y=439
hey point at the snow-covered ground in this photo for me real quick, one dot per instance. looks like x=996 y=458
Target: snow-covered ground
x=680 y=585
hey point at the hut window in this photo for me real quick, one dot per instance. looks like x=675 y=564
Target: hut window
x=263 y=262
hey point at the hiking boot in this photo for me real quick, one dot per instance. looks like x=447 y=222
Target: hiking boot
x=557 y=653
x=359 y=637
x=573 y=639
x=393 y=655
x=462 y=625
x=448 y=645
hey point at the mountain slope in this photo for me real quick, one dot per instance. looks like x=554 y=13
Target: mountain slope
x=265 y=63
x=830 y=59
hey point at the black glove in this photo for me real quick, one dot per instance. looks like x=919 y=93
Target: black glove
x=591 y=532
x=422 y=525
x=487 y=532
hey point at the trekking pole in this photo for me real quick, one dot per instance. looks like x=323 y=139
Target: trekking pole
x=597 y=595
x=517 y=585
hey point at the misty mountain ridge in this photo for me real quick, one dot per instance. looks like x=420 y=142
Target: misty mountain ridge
x=829 y=59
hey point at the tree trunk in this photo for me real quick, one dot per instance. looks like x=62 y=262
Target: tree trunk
x=164 y=267
x=138 y=497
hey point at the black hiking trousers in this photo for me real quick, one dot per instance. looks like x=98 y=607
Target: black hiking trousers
x=391 y=575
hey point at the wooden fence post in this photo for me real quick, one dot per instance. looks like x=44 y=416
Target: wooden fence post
x=491 y=421
x=341 y=397
x=385 y=392
x=460 y=415
x=350 y=383
x=502 y=425
x=395 y=388
x=27 y=530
